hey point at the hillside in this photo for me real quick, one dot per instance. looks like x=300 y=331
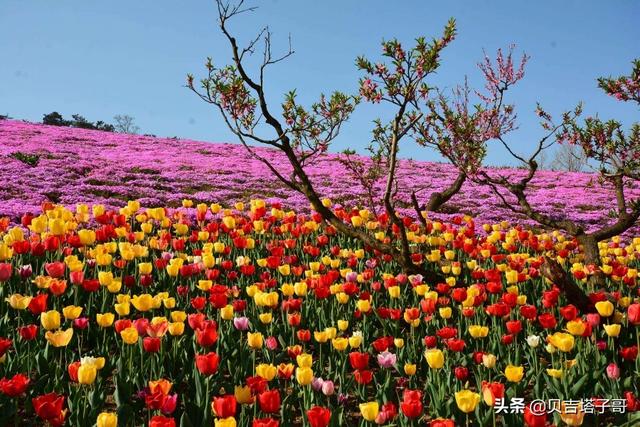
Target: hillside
x=84 y=166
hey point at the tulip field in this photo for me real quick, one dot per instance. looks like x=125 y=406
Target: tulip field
x=193 y=309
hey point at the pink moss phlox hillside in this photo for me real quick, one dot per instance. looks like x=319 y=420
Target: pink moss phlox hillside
x=84 y=166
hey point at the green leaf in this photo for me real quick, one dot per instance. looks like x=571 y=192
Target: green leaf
x=578 y=385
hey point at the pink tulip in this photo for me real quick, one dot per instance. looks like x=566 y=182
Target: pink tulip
x=613 y=371
x=386 y=359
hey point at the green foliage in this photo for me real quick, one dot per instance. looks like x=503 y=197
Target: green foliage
x=29 y=159
x=56 y=119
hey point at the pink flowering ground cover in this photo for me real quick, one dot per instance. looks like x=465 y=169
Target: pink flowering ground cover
x=85 y=166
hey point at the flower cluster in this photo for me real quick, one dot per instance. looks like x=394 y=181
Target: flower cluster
x=257 y=316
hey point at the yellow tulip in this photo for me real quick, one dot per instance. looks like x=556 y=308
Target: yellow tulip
x=576 y=327
x=254 y=340
x=612 y=330
x=19 y=302
x=50 y=319
x=409 y=369
x=355 y=341
x=59 y=338
x=445 y=312
x=394 y=291
x=340 y=344
x=266 y=371
x=266 y=318
x=321 y=336
x=605 y=308
x=514 y=373
x=123 y=309
x=129 y=335
x=435 y=358
x=363 y=305
x=304 y=360
x=478 y=331
x=107 y=419
x=370 y=410
x=304 y=376
x=87 y=374
x=343 y=325
x=145 y=268
x=555 y=373
x=489 y=360
x=573 y=416
x=561 y=341
x=105 y=278
x=178 y=316
x=243 y=394
x=176 y=328
x=71 y=312
x=226 y=312
x=105 y=320
x=142 y=302
x=467 y=400
x=225 y=422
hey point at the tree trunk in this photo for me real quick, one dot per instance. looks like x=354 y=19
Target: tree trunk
x=438 y=199
x=575 y=295
x=592 y=257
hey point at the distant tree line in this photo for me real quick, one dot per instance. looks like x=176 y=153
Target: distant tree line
x=123 y=123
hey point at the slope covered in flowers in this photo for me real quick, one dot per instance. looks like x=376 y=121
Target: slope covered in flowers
x=84 y=166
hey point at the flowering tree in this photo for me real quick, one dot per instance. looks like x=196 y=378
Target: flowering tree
x=302 y=134
x=459 y=130
x=614 y=153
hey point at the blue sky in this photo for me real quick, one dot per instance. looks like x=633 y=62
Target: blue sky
x=99 y=59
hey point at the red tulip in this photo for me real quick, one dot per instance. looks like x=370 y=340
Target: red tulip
x=224 y=406
x=6 y=270
x=461 y=373
x=359 y=360
x=91 y=285
x=28 y=332
x=303 y=335
x=151 y=344
x=160 y=421
x=440 y=422
x=629 y=353
x=269 y=401
x=265 y=422
x=55 y=269
x=633 y=314
x=514 y=327
x=198 y=303
x=492 y=391
x=15 y=386
x=319 y=416
x=529 y=312
x=257 y=384
x=569 y=312
x=534 y=420
x=207 y=364
x=49 y=408
x=5 y=344
x=72 y=369
x=81 y=323
x=141 y=325
x=455 y=344
x=547 y=320
x=38 y=304
x=411 y=408
x=363 y=376
x=208 y=334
